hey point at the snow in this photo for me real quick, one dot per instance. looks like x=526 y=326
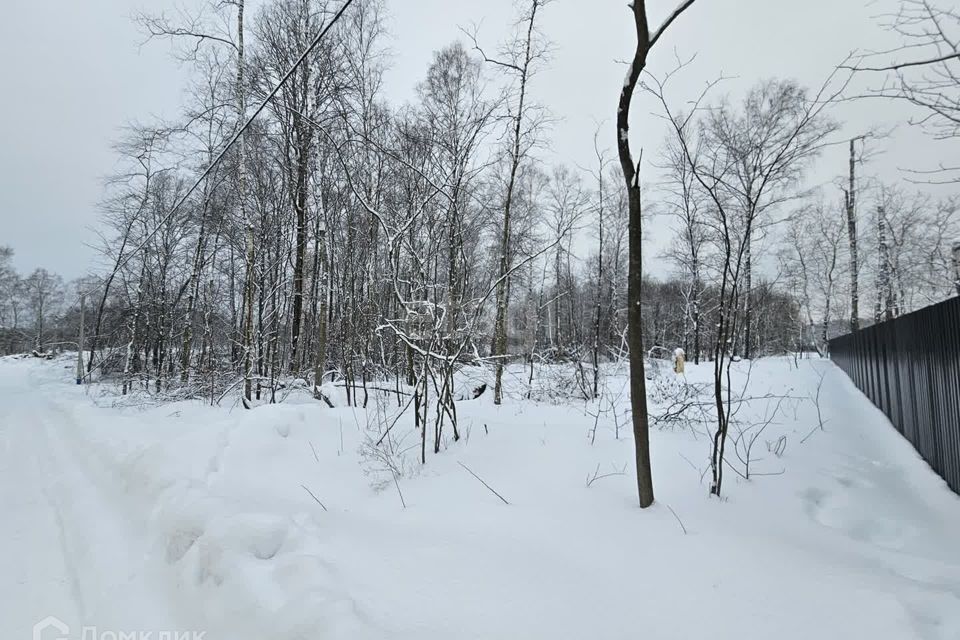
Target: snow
x=186 y=517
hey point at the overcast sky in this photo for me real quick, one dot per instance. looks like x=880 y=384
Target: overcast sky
x=74 y=72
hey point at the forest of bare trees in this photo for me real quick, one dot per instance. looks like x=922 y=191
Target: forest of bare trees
x=343 y=240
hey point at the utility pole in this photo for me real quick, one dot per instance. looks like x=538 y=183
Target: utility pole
x=83 y=298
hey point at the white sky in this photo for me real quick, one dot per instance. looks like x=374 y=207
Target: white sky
x=74 y=72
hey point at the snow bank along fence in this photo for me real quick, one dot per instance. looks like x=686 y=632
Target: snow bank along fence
x=909 y=367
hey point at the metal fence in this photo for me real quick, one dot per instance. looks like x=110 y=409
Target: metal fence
x=909 y=367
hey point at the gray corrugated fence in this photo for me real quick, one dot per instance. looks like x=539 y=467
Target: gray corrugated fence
x=909 y=367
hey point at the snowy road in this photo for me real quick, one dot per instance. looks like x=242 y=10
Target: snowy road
x=39 y=578
x=68 y=550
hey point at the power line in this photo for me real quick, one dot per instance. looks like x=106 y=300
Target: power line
x=236 y=136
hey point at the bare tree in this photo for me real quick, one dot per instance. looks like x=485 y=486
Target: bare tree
x=10 y=302
x=519 y=60
x=602 y=166
x=197 y=31
x=208 y=125
x=458 y=118
x=686 y=203
x=956 y=266
x=249 y=237
x=764 y=148
x=885 y=291
x=815 y=239
x=850 y=206
x=923 y=71
x=7 y=278
x=44 y=293
x=566 y=204
x=914 y=237
x=631 y=175
x=748 y=162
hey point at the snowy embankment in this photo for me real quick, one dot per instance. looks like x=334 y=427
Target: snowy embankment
x=190 y=517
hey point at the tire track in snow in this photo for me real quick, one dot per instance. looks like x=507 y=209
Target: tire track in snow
x=104 y=562
x=39 y=576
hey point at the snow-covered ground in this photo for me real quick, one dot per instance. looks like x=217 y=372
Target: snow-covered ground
x=181 y=517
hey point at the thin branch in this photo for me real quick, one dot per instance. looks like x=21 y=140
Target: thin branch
x=679 y=521
x=483 y=483
x=684 y=5
x=313 y=496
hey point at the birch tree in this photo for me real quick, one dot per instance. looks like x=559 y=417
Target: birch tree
x=518 y=60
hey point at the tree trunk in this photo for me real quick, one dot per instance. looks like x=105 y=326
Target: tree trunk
x=322 y=294
x=194 y=286
x=885 y=288
x=956 y=266
x=851 y=200
x=696 y=320
x=249 y=248
x=133 y=326
x=747 y=298
x=500 y=325
x=638 y=385
x=599 y=305
x=301 y=183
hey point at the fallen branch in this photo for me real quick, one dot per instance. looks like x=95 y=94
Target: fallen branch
x=313 y=496
x=677 y=517
x=402 y=501
x=355 y=386
x=320 y=395
x=492 y=490
x=598 y=476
